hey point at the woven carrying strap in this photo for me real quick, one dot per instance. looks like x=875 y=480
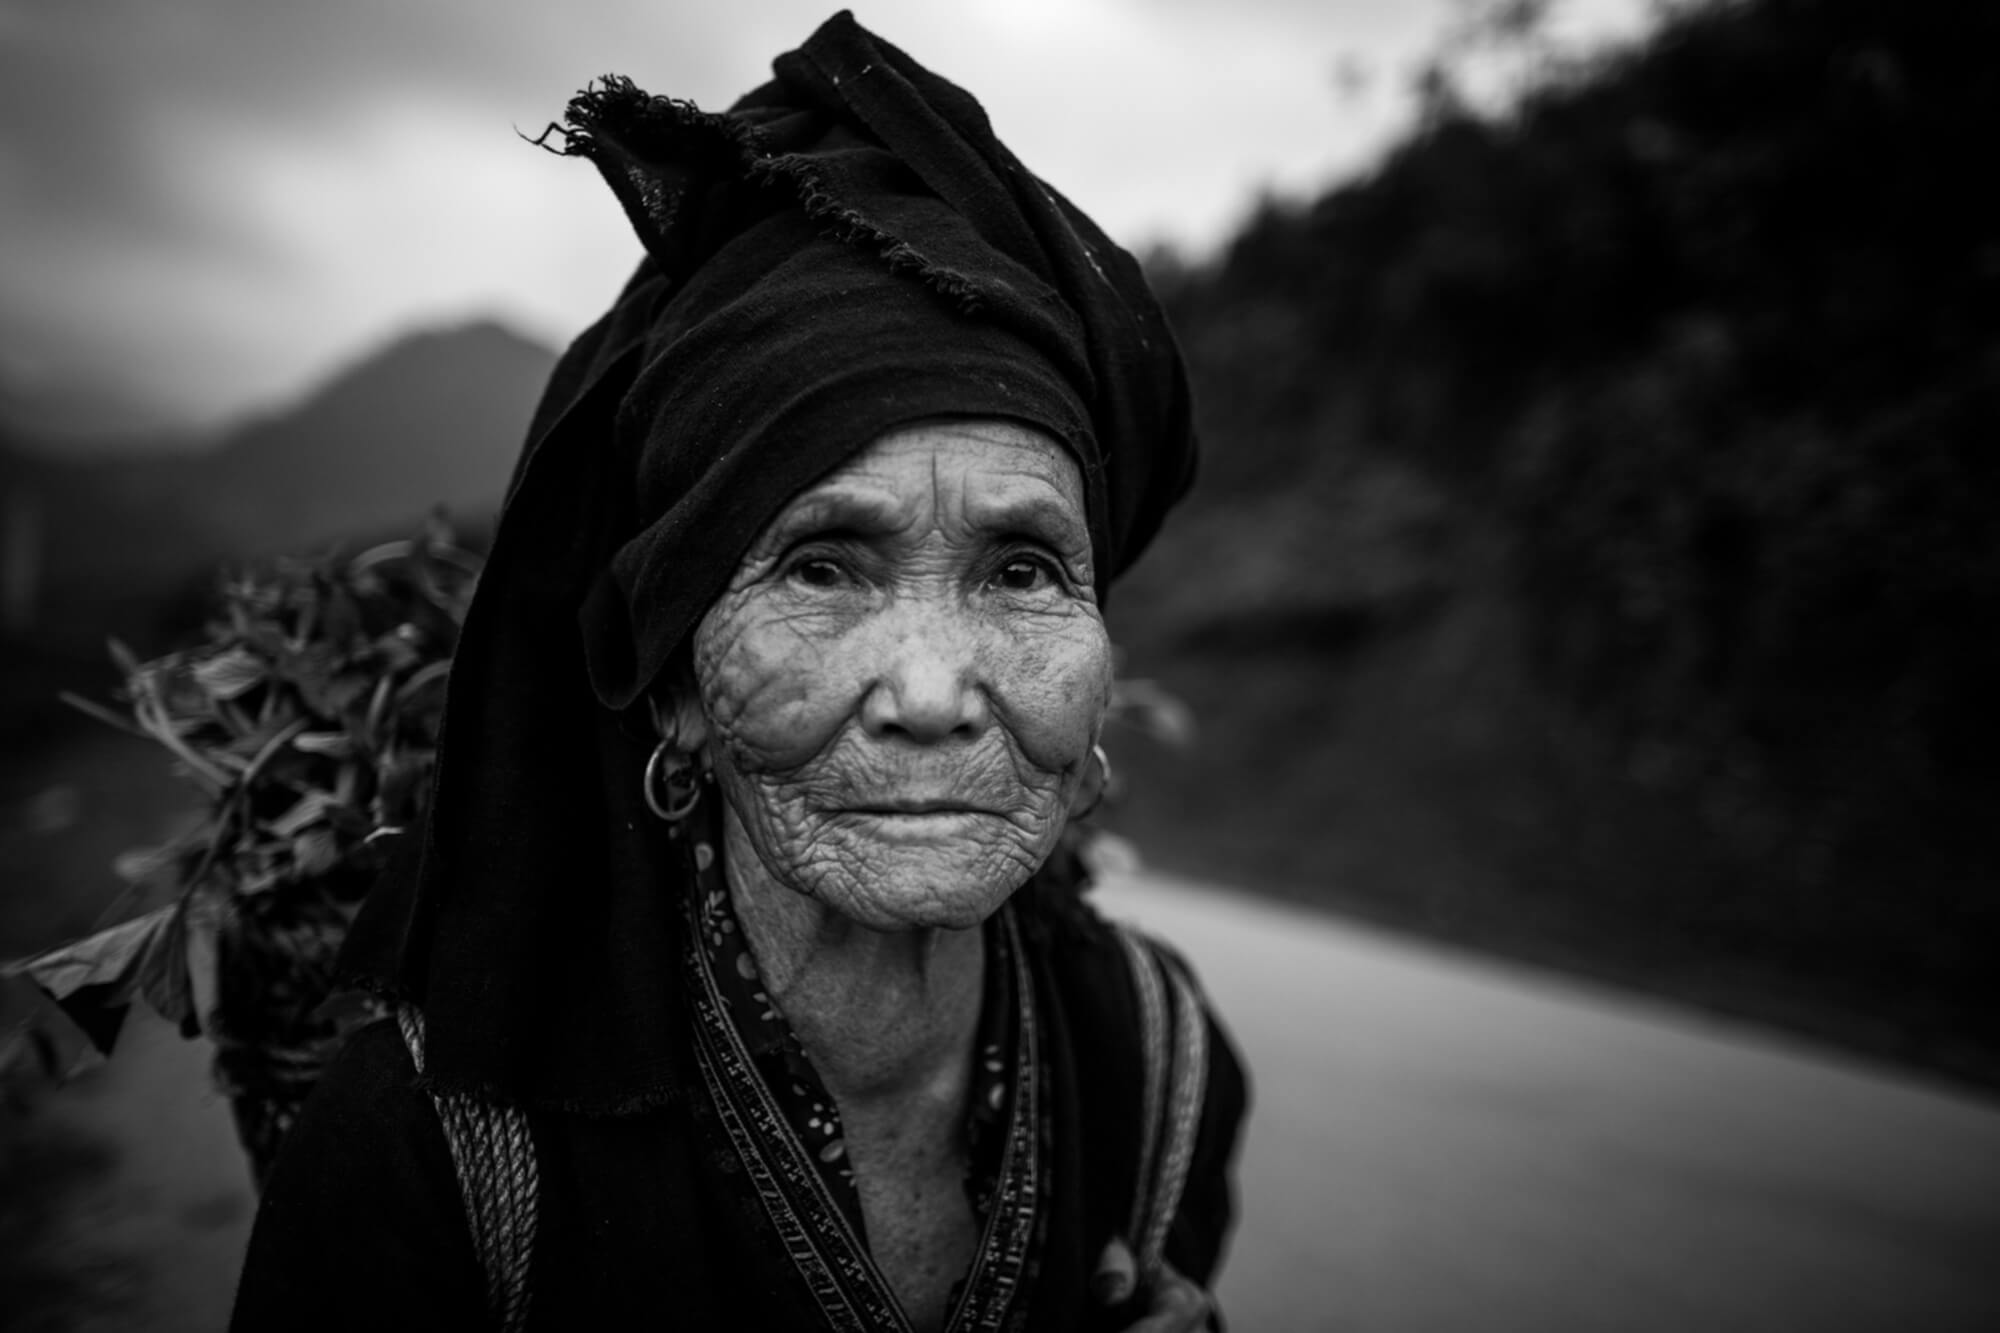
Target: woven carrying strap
x=1173 y=1032
x=494 y=1157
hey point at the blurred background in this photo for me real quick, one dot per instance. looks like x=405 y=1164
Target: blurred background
x=1594 y=564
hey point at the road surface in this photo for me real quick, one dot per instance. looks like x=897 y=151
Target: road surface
x=1436 y=1145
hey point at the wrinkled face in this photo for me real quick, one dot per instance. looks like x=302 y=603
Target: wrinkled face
x=904 y=679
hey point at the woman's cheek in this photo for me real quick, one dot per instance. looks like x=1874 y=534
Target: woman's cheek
x=1053 y=686
x=769 y=685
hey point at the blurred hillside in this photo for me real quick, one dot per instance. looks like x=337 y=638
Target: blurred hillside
x=1595 y=554
x=126 y=544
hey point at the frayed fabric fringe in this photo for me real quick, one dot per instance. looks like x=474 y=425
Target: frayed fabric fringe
x=627 y=132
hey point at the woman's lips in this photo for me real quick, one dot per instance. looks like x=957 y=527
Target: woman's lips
x=907 y=806
x=920 y=821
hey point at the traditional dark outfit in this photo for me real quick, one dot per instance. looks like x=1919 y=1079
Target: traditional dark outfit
x=847 y=251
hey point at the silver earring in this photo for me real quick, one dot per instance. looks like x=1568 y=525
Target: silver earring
x=671 y=786
x=1103 y=783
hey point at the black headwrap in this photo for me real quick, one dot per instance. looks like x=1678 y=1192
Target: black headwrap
x=849 y=249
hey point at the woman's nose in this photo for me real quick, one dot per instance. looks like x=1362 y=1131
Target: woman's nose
x=928 y=687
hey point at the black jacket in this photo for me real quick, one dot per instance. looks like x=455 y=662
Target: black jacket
x=645 y=1219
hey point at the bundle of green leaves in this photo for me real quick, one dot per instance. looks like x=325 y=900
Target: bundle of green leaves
x=307 y=714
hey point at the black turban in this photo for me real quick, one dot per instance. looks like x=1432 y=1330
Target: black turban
x=847 y=250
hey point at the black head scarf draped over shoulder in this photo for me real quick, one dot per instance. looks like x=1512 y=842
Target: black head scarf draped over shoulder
x=847 y=250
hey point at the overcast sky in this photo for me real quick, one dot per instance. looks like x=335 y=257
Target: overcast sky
x=207 y=205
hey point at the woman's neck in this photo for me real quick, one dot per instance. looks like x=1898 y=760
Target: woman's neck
x=882 y=1016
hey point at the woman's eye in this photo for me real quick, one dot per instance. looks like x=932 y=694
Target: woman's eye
x=819 y=572
x=1024 y=574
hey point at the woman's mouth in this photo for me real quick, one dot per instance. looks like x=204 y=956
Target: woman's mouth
x=917 y=806
x=918 y=821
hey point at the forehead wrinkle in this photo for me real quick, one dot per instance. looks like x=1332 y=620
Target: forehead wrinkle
x=1012 y=479
x=938 y=500
x=1042 y=490
x=846 y=501
x=1050 y=516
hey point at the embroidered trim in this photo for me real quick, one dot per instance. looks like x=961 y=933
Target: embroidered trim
x=1173 y=1029
x=1000 y=1270
x=837 y=1268
x=493 y=1155
x=1190 y=1090
x=753 y=1122
x=1153 y=1062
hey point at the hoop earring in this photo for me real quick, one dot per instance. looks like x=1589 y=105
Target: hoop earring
x=1103 y=783
x=681 y=786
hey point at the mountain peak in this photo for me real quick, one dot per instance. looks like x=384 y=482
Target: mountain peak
x=435 y=417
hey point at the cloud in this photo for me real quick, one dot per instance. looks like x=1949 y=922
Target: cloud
x=208 y=201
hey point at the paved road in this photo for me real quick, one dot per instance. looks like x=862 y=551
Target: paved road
x=1442 y=1146
x=1436 y=1146
x=148 y=1230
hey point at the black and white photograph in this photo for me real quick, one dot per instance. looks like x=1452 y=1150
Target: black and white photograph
x=1030 y=666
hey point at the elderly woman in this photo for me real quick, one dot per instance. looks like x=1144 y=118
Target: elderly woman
x=743 y=972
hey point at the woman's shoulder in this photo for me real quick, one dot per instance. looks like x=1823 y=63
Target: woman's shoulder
x=1103 y=960
x=367 y=1108
x=1155 y=1065
x=1144 y=985
x=374 y=1062
x=361 y=1213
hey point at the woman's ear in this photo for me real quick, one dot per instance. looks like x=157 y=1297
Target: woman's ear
x=675 y=701
x=693 y=722
x=678 y=719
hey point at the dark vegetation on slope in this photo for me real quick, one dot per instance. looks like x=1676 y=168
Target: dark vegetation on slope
x=1596 y=556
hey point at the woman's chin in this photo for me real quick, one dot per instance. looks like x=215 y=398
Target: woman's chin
x=903 y=885
x=896 y=919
